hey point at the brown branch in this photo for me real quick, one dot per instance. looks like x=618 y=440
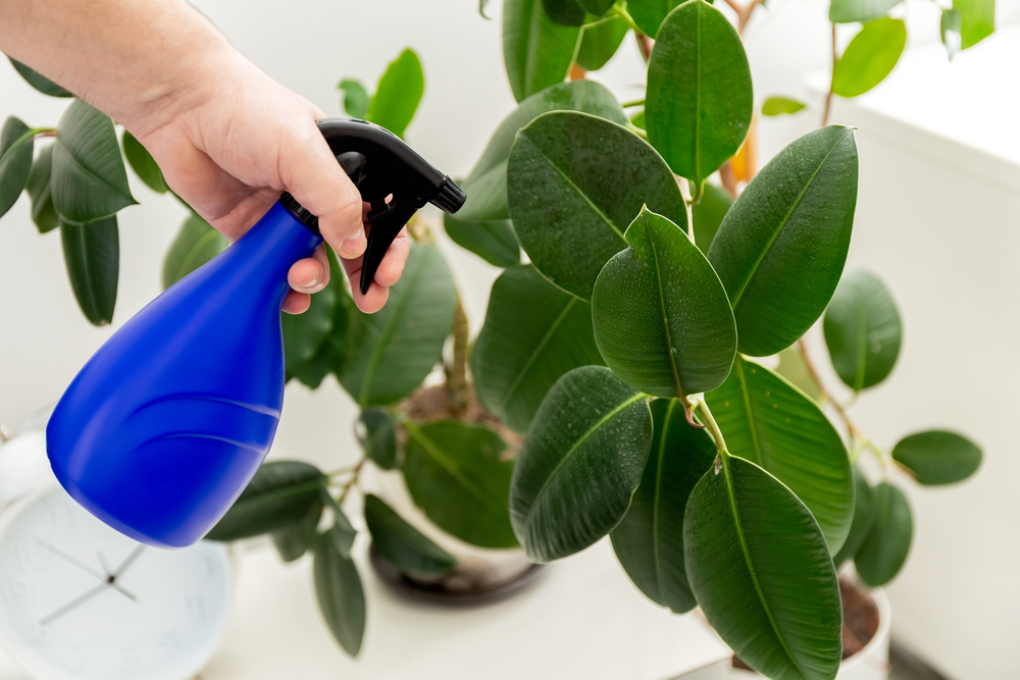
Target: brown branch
x=853 y=430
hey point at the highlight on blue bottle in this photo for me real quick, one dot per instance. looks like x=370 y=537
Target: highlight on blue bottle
x=165 y=426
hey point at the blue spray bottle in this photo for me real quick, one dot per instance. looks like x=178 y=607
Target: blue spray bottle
x=165 y=426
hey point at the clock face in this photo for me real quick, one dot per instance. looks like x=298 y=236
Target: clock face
x=80 y=601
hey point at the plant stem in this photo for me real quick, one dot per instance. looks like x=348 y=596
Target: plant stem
x=622 y=13
x=832 y=79
x=645 y=44
x=701 y=406
x=456 y=372
x=632 y=104
x=852 y=429
x=352 y=481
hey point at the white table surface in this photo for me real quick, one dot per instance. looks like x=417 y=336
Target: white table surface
x=582 y=618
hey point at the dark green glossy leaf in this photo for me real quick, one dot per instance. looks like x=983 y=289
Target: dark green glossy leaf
x=339 y=593
x=977 y=20
x=862 y=330
x=769 y=422
x=15 y=161
x=88 y=180
x=699 y=102
x=196 y=243
x=38 y=187
x=304 y=334
x=662 y=321
x=486 y=185
x=649 y=540
x=402 y=545
x=92 y=256
x=356 y=98
x=39 y=81
x=459 y=476
x=781 y=248
x=796 y=372
x=776 y=106
x=390 y=352
x=537 y=51
x=649 y=14
x=398 y=94
x=144 y=165
x=950 y=26
x=380 y=437
x=280 y=494
x=885 y=548
x=293 y=541
x=759 y=567
x=708 y=215
x=870 y=57
x=938 y=456
x=572 y=202
x=582 y=459
x=600 y=41
x=564 y=12
x=853 y=11
x=533 y=334
x=492 y=240
x=596 y=7
x=864 y=517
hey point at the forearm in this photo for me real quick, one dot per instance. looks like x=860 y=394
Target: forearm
x=115 y=53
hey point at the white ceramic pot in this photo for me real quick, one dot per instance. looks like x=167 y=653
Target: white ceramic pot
x=871 y=663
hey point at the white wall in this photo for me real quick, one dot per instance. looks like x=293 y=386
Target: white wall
x=960 y=559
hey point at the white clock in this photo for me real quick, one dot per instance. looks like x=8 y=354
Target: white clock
x=80 y=601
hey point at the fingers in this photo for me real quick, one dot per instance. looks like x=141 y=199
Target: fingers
x=297 y=303
x=311 y=274
x=312 y=175
x=390 y=269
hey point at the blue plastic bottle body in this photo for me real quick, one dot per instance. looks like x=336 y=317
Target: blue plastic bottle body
x=165 y=426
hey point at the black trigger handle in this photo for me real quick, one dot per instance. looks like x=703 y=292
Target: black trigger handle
x=385 y=221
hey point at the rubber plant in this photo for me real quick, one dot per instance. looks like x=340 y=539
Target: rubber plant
x=625 y=382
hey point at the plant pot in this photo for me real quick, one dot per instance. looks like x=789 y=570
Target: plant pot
x=870 y=662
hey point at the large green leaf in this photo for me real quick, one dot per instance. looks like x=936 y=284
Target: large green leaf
x=649 y=540
x=537 y=51
x=16 y=143
x=862 y=330
x=938 y=456
x=661 y=318
x=339 y=593
x=38 y=187
x=492 y=240
x=486 y=185
x=699 y=102
x=294 y=540
x=575 y=182
x=582 y=459
x=402 y=545
x=143 y=163
x=885 y=548
x=596 y=7
x=870 y=57
x=92 y=257
x=649 y=14
x=600 y=41
x=390 y=352
x=356 y=98
x=88 y=180
x=853 y=11
x=380 y=437
x=759 y=567
x=39 y=81
x=977 y=20
x=781 y=247
x=864 y=517
x=280 y=494
x=398 y=94
x=533 y=334
x=196 y=243
x=458 y=474
x=708 y=215
x=304 y=334
x=564 y=12
x=772 y=424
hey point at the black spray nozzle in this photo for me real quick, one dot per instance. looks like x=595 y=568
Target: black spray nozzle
x=383 y=167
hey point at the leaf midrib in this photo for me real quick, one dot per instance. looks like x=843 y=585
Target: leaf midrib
x=87 y=171
x=86 y=270
x=656 y=552
x=572 y=450
x=752 y=421
x=534 y=355
x=279 y=493
x=665 y=320
x=738 y=296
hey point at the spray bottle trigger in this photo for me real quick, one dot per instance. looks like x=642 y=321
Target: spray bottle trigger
x=386 y=221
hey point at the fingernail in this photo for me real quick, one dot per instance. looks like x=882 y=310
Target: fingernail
x=313 y=283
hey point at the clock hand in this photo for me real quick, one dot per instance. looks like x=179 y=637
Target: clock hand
x=73 y=604
x=127 y=562
x=105 y=578
x=112 y=580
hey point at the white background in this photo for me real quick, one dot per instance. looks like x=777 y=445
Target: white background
x=938 y=236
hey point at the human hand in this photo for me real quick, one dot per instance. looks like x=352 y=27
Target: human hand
x=231 y=143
